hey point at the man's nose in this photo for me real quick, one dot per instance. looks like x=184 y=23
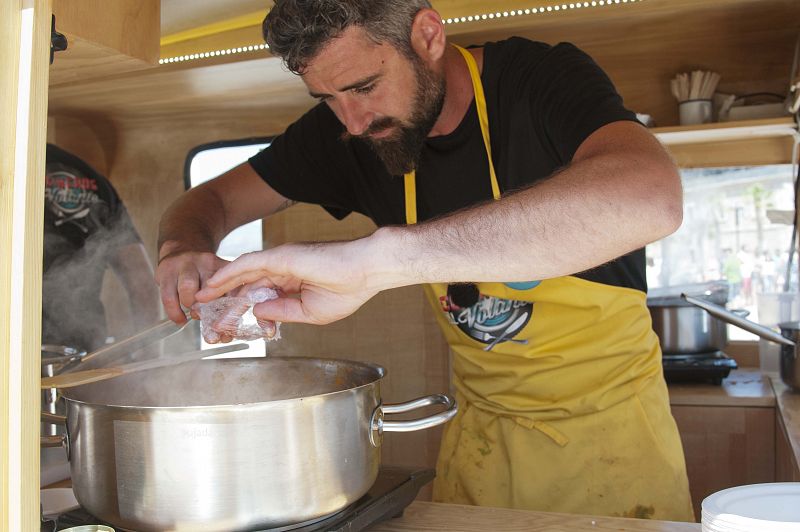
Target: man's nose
x=355 y=118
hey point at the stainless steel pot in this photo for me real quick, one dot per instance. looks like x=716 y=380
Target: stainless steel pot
x=789 y=337
x=231 y=444
x=687 y=329
x=54 y=359
x=681 y=327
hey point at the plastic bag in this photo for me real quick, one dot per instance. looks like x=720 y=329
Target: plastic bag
x=231 y=318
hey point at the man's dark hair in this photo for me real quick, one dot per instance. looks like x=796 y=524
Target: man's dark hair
x=297 y=30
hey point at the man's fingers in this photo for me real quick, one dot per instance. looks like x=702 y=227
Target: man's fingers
x=245 y=269
x=269 y=327
x=172 y=305
x=188 y=285
x=285 y=309
x=214 y=289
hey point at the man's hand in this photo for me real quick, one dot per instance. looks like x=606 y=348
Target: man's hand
x=330 y=279
x=180 y=275
x=194 y=225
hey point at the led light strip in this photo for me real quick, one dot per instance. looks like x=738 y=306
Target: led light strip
x=537 y=10
x=448 y=21
x=215 y=53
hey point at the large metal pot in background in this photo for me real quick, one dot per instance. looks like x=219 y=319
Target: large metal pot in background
x=789 y=339
x=683 y=328
x=54 y=359
x=231 y=444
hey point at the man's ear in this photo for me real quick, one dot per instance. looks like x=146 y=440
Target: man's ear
x=427 y=35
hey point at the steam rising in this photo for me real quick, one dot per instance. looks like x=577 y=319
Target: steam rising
x=228 y=382
x=72 y=313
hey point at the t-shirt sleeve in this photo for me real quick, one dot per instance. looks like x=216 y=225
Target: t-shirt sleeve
x=307 y=163
x=107 y=212
x=572 y=98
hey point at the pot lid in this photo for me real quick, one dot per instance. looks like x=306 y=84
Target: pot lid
x=670 y=296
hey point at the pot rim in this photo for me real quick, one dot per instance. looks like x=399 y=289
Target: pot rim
x=381 y=371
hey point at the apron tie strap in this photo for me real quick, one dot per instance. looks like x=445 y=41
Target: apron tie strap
x=548 y=430
x=558 y=437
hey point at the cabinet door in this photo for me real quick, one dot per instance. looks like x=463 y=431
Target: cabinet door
x=786 y=468
x=726 y=447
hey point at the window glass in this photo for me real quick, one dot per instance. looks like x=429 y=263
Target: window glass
x=208 y=164
x=737 y=228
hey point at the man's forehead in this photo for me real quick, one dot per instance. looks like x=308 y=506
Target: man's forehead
x=346 y=59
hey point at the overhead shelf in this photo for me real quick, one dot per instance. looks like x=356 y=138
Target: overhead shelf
x=105 y=38
x=742 y=143
x=727 y=131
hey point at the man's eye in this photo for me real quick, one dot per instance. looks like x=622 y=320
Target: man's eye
x=364 y=90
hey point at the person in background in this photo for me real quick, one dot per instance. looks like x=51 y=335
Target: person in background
x=511 y=180
x=732 y=272
x=87 y=230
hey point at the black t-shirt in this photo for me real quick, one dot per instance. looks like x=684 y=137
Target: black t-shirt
x=85 y=225
x=543 y=101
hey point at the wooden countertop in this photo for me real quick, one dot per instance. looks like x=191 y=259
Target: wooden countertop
x=743 y=387
x=429 y=516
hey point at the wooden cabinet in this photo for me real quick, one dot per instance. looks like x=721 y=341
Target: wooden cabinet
x=726 y=446
x=105 y=38
x=787 y=432
x=728 y=432
x=786 y=467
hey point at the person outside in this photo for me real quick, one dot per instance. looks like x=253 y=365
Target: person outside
x=509 y=179
x=732 y=272
x=87 y=230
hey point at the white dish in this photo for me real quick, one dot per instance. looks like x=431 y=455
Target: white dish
x=773 y=507
x=56 y=501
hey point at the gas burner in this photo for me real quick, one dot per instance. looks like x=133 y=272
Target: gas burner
x=393 y=490
x=713 y=366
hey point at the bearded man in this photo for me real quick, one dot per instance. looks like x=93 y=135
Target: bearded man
x=511 y=180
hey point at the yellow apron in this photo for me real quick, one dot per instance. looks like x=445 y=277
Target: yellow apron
x=562 y=404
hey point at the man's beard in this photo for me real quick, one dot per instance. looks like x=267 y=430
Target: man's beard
x=400 y=152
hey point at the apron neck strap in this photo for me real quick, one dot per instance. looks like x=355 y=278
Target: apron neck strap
x=483 y=120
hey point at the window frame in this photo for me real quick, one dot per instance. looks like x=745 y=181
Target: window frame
x=233 y=143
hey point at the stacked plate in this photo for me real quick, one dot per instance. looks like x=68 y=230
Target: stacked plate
x=771 y=507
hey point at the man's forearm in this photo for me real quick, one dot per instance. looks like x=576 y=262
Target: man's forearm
x=582 y=217
x=194 y=222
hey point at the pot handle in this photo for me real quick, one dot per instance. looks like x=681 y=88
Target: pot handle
x=379 y=425
x=53 y=419
x=54 y=441
x=725 y=315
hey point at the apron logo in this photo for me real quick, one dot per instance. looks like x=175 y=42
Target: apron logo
x=491 y=320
